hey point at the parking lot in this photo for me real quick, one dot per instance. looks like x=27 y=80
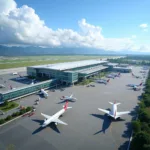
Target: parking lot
x=87 y=128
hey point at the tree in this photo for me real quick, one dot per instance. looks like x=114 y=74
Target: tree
x=6 y=103
x=144 y=116
x=145 y=127
x=2 y=121
x=146 y=147
x=8 y=118
x=140 y=140
x=28 y=109
x=136 y=126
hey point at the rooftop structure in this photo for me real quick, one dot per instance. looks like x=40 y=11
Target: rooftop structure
x=70 y=65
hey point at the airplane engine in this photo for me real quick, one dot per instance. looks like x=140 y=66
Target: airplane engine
x=45 y=119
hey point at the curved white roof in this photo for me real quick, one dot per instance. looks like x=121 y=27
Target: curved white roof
x=69 y=65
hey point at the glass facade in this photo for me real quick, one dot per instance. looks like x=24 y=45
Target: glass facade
x=27 y=90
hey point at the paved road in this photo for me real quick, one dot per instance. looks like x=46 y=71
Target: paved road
x=7 y=71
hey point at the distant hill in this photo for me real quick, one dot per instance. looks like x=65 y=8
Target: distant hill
x=32 y=50
x=18 y=51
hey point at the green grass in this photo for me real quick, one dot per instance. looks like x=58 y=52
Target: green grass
x=14 y=62
x=10 y=106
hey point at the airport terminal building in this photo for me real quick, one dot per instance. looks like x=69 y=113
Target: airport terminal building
x=68 y=72
x=57 y=74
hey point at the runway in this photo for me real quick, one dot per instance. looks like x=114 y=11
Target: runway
x=87 y=128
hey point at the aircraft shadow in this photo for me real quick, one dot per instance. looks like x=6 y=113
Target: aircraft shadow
x=106 y=122
x=51 y=125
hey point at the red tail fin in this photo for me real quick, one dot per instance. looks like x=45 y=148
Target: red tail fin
x=66 y=105
x=140 y=84
x=108 y=80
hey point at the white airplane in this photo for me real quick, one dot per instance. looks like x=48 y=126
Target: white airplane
x=15 y=73
x=70 y=98
x=21 y=77
x=2 y=86
x=44 y=93
x=138 y=77
x=134 y=85
x=136 y=88
x=116 y=74
x=55 y=118
x=103 y=81
x=110 y=76
x=32 y=82
x=113 y=113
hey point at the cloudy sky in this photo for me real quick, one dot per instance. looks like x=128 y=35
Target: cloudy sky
x=102 y=24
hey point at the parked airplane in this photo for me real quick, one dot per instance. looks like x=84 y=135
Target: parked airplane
x=142 y=71
x=113 y=113
x=136 y=88
x=2 y=86
x=138 y=77
x=110 y=76
x=103 y=81
x=48 y=119
x=135 y=85
x=145 y=67
x=70 y=98
x=21 y=77
x=32 y=82
x=15 y=73
x=44 y=93
x=116 y=74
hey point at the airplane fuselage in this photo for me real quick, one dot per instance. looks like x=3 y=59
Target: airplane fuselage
x=44 y=93
x=55 y=116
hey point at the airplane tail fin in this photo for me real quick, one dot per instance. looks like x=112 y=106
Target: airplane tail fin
x=66 y=106
x=108 y=80
x=71 y=95
x=140 y=84
x=114 y=103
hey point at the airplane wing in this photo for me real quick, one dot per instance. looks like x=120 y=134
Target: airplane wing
x=46 y=116
x=122 y=113
x=60 y=122
x=103 y=110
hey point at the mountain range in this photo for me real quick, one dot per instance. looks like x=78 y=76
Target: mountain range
x=33 y=50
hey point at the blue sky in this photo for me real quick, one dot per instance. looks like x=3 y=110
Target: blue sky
x=111 y=15
x=117 y=18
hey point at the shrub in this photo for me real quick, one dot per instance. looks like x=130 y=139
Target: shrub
x=6 y=103
x=8 y=118
x=14 y=115
x=2 y=121
x=28 y=109
x=13 y=105
x=140 y=140
x=136 y=126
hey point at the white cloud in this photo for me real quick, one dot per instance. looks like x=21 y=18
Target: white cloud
x=144 y=25
x=133 y=36
x=22 y=26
